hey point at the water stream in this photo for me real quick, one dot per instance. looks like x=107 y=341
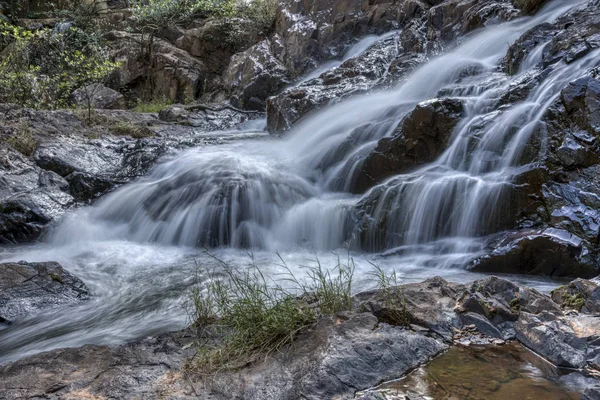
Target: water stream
x=139 y=248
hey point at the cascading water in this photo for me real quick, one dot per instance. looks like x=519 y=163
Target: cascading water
x=136 y=247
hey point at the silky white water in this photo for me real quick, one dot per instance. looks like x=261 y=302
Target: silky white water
x=139 y=248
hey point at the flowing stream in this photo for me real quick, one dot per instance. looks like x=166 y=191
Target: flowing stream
x=139 y=248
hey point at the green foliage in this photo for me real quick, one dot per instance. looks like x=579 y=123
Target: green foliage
x=163 y=12
x=159 y=13
x=152 y=106
x=575 y=301
x=40 y=69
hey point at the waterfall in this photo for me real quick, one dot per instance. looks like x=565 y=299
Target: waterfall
x=294 y=192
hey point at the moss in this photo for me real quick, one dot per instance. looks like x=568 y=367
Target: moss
x=576 y=301
x=515 y=304
x=56 y=278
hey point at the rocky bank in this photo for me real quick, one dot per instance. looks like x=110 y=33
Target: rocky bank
x=341 y=354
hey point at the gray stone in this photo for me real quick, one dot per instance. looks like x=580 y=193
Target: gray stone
x=27 y=288
x=98 y=96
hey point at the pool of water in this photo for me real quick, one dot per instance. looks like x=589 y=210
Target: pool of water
x=507 y=372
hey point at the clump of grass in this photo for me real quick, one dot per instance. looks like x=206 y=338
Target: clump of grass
x=129 y=129
x=152 y=106
x=22 y=140
x=254 y=316
x=396 y=312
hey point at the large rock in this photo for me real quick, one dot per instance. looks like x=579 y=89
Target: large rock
x=581 y=295
x=27 y=288
x=551 y=252
x=378 y=67
x=421 y=137
x=160 y=69
x=98 y=96
x=256 y=74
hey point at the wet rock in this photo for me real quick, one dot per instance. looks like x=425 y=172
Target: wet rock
x=315 y=30
x=354 y=76
x=581 y=295
x=529 y=6
x=99 y=97
x=591 y=393
x=567 y=39
x=27 y=288
x=448 y=20
x=84 y=186
x=421 y=137
x=335 y=358
x=256 y=74
x=550 y=252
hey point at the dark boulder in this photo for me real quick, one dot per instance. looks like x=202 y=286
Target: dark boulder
x=27 y=288
x=420 y=138
x=550 y=252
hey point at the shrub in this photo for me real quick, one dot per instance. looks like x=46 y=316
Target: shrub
x=40 y=69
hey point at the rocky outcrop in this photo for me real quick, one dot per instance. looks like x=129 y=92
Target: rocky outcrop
x=427 y=28
x=421 y=137
x=580 y=295
x=51 y=161
x=356 y=75
x=27 y=288
x=157 y=68
x=337 y=357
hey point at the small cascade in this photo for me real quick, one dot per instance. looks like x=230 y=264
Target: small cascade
x=294 y=192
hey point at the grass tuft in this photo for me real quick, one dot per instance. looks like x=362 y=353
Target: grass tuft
x=253 y=316
x=22 y=140
x=396 y=313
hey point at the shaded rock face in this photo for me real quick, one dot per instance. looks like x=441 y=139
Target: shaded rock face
x=421 y=137
x=27 y=288
x=160 y=69
x=73 y=163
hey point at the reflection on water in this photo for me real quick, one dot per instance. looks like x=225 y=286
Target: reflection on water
x=508 y=372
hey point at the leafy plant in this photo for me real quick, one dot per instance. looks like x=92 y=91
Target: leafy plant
x=40 y=69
